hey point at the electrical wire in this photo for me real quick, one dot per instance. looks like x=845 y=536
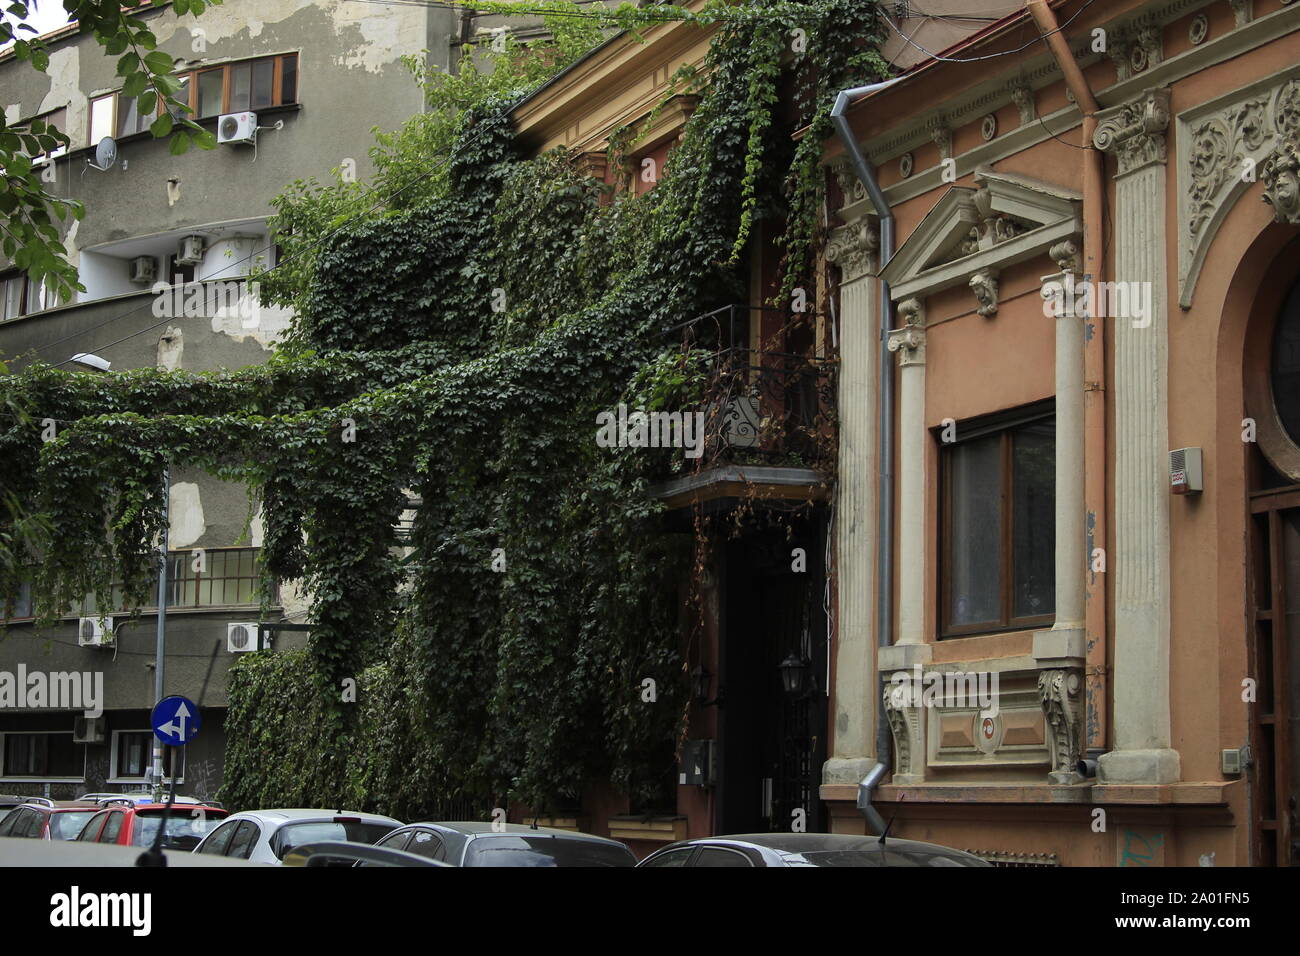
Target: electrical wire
x=987 y=56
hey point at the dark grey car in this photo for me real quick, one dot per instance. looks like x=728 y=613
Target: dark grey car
x=806 y=849
x=507 y=844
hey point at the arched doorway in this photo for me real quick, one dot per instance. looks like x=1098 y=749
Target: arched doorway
x=1272 y=393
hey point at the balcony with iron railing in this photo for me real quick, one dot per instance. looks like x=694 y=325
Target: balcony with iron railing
x=769 y=412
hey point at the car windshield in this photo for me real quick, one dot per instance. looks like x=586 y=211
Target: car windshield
x=66 y=826
x=544 y=851
x=184 y=830
x=296 y=834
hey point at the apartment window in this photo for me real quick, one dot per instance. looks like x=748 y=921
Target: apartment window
x=247 y=85
x=230 y=88
x=132 y=757
x=998 y=524
x=50 y=755
x=224 y=577
x=21 y=296
x=18 y=606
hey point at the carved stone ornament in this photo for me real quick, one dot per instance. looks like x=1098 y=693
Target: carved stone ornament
x=1136 y=133
x=1060 y=693
x=909 y=340
x=942 y=136
x=905 y=165
x=905 y=726
x=853 y=248
x=1134 y=48
x=1023 y=96
x=1281 y=175
x=1199 y=29
x=1066 y=255
x=1241 y=12
x=985 y=286
x=1222 y=155
x=851 y=187
x=989 y=127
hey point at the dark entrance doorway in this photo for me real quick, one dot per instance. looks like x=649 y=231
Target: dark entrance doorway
x=772 y=743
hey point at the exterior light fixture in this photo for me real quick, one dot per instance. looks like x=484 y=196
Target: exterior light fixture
x=794 y=675
x=700 y=679
x=90 y=360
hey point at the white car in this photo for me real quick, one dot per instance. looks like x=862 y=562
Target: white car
x=264 y=836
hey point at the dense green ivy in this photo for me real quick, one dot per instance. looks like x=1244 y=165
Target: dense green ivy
x=457 y=345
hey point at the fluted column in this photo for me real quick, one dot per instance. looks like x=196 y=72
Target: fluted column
x=1139 y=561
x=909 y=342
x=853 y=248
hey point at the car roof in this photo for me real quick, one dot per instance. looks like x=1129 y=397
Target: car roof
x=19 y=851
x=481 y=828
x=791 y=844
x=297 y=815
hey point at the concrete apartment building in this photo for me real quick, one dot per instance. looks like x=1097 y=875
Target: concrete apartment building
x=318 y=76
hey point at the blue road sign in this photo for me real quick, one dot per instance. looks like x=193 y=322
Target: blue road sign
x=175 y=721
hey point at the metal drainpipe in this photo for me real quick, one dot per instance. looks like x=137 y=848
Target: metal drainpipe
x=885 y=495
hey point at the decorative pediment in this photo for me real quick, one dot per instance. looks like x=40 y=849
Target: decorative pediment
x=1225 y=146
x=974 y=233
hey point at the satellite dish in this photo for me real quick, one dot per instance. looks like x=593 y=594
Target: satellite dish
x=105 y=154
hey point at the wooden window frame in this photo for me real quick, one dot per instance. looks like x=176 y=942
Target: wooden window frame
x=192 y=101
x=1003 y=425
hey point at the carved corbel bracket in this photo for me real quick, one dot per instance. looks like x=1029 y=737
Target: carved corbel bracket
x=905 y=727
x=909 y=340
x=1060 y=691
x=985 y=286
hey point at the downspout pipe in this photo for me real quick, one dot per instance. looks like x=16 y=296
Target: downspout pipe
x=885 y=481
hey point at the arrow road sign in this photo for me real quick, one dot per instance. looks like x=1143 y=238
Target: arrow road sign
x=175 y=721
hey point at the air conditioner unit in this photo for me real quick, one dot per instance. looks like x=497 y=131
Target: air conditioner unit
x=144 y=269
x=237 y=128
x=95 y=632
x=190 y=252
x=88 y=730
x=241 y=638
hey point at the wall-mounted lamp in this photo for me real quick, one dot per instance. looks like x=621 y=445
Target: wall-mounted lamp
x=794 y=675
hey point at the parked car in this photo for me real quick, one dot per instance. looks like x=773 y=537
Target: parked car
x=806 y=849
x=60 y=853
x=130 y=824
x=264 y=836
x=506 y=844
x=141 y=796
x=47 y=820
x=9 y=801
x=343 y=853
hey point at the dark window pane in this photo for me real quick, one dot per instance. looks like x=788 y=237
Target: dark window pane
x=289 y=78
x=713 y=856
x=673 y=858
x=221 y=838
x=263 y=79
x=1034 y=519
x=210 y=92
x=240 y=87
x=976 y=532
x=133 y=754
x=242 y=845
x=425 y=843
x=113 y=827
x=183 y=95
x=1286 y=365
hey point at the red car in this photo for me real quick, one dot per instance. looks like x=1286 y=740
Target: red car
x=127 y=823
x=42 y=819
